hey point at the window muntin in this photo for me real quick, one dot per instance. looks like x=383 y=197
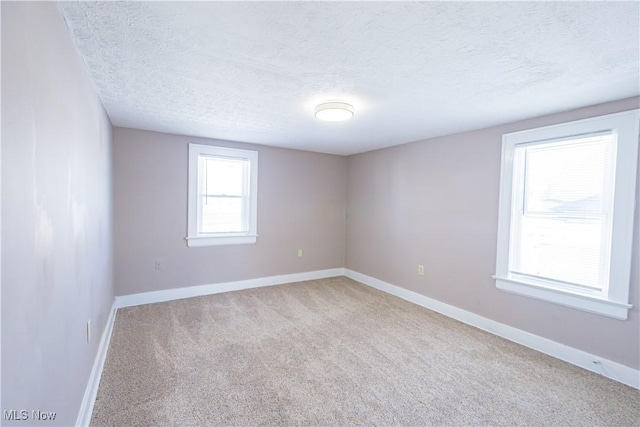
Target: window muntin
x=566 y=213
x=222 y=195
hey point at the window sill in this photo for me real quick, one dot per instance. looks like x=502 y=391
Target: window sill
x=220 y=240
x=614 y=309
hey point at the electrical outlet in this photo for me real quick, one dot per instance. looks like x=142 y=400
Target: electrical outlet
x=89 y=330
x=299 y=252
x=421 y=270
x=158 y=265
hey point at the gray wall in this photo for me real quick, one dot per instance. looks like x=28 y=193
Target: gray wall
x=56 y=217
x=301 y=205
x=435 y=203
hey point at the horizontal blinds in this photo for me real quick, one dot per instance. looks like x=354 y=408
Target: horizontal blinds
x=224 y=192
x=569 y=177
x=224 y=176
x=563 y=223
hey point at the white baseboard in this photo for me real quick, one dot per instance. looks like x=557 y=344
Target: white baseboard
x=89 y=398
x=607 y=368
x=216 y=288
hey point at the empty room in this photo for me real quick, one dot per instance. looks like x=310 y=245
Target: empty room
x=320 y=213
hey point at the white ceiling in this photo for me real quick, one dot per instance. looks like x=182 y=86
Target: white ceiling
x=254 y=71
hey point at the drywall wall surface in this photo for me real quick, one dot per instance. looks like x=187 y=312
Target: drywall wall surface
x=56 y=217
x=301 y=205
x=435 y=203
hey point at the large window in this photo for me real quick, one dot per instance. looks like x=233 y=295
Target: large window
x=566 y=213
x=222 y=196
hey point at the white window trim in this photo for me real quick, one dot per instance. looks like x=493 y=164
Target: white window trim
x=616 y=303
x=196 y=239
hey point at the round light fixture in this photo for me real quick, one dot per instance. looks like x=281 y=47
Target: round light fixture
x=334 y=111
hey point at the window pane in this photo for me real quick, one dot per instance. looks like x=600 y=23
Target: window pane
x=568 y=250
x=562 y=228
x=569 y=176
x=224 y=176
x=222 y=215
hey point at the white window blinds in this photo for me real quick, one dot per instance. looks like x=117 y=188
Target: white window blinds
x=562 y=215
x=224 y=196
x=566 y=213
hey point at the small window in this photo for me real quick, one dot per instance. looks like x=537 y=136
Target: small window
x=222 y=196
x=566 y=213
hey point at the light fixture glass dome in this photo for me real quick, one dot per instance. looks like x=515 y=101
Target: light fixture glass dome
x=334 y=111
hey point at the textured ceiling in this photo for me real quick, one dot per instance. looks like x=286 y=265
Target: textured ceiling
x=254 y=71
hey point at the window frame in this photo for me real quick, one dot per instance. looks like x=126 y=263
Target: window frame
x=195 y=238
x=615 y=302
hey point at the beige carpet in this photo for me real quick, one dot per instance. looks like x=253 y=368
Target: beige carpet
x=335 y=352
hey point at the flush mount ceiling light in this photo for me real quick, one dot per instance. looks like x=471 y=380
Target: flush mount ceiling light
x=334 y=111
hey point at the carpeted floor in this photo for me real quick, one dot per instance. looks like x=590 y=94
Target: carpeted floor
x=335 y=352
